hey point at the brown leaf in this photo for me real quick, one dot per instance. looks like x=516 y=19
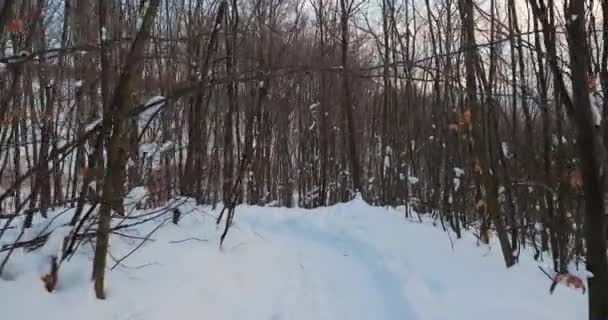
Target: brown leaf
x=576 y=179
x=14 y=25
x=84 y=171
x=478 y=167
x=50 y=279
x=591 y=84
x=466 y=116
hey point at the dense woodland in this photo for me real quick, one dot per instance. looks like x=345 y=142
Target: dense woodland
x=486 y=115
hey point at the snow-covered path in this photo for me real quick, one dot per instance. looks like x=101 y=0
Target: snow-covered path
x=350 y=261
x=340 y=277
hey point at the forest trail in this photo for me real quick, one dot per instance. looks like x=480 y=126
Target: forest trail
x=349 y=261
x=278 y=266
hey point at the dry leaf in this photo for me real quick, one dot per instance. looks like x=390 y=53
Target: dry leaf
x=591 y=84
x=14 y=25
x=478 y=168
x=466 y=116
x=84 y=171
x=576 y=179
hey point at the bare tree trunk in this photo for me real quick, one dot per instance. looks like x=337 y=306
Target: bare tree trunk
x=193 y=170
x=489 y=189
x=230 y=43
x=347 y=105
x=593 y=158
x=117 y=151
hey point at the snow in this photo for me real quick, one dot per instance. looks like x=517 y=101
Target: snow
x=104 y=34
x=93 y=124
x=78 y=84
x=505 y=150
x=54 y=244
x=456 y=183
x=596 y=104
x=152 y=106
x=156 y=100
x=458 y=172
x=152 y=152
x=147 y=148
x=581 y=273
x=166 y=146
x=144 y=7
x=349 y=261
x=135 y=197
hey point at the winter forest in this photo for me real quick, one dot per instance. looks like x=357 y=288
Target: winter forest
x=303 y=159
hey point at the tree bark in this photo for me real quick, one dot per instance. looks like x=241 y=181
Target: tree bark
x=592 y=159
x=118 y=150
x=347 y=105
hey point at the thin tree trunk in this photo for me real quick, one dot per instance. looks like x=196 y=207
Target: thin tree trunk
x=117 y=151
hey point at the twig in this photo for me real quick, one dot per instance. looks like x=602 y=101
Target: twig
x=189 y=239
x=131 y=237
x=142 y=266
x=450 y=237
x=139 y=246
x=553 y=280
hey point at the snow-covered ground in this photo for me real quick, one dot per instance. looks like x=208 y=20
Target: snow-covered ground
x=349 y=261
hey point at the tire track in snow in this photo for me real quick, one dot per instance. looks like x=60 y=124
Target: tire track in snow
x=423 y=292
x=373 y=291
